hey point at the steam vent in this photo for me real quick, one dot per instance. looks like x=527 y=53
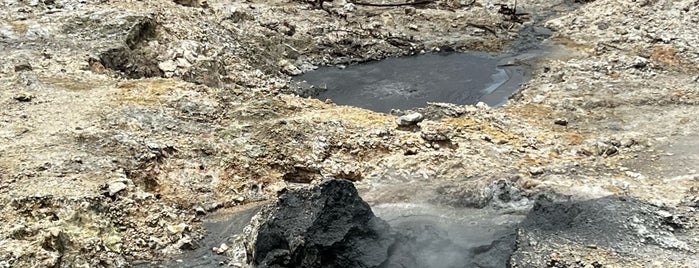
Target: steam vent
x=349 y=133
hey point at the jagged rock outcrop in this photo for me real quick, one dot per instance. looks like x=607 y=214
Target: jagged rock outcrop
x=331 y=226
x=327 y=226
x=591 y=232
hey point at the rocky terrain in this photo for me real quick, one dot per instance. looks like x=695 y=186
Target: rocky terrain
x=331 y=226
x=124 y=124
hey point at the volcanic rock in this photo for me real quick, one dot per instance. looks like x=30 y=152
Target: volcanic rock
x=409 y=119
x=328 y=226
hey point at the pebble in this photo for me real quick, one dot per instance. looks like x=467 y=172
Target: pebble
x=627 y=142
x=200 y=210
x=178 y=228
x=289 y=68
x=410 y=119
x=536 y=171
x=221 y=249
x=23 y=67
x=23 y=97
x=115 y=187
x=409 y=10
x=168 y=66
x=561 y=121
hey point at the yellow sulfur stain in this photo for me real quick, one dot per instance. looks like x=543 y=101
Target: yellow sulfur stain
x=70 y=84
x=469 y=124
x=355 y=116
x=148 y=91
x=19 y=27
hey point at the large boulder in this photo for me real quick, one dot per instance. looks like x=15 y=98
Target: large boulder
x=327 y=226
x=331 y=226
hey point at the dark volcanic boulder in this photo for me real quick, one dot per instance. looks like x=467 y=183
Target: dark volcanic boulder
x=331 y=226
x=582 y=233
x=327 y=226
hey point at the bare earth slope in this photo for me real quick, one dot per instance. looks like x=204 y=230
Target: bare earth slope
x=123 y=122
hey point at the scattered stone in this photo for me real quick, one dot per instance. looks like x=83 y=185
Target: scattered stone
x=640 y=63
x=409 y=10
x=561 y=121
x=116 y=187
x=434 y=136
x=628 y=142
x=221 y=249
x=482 y=105
x=183 y=63
x=168 y=66
x=177 y=228
x=530 y=184
x=212 y=206
x=288 y=68
x=409 y=119
x=185 y=243
x=25 y=66
x=536 y=171
x=192 y=3
x=200 y=210
x=23 y=97
x=609 y=150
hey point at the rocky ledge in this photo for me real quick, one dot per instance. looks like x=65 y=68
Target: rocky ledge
x=331 y=226
x=126 y=124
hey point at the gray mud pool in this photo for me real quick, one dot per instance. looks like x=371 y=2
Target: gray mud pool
x=411 y=82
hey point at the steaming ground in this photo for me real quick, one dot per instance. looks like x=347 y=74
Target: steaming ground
x=452 y=237
x=126 y=124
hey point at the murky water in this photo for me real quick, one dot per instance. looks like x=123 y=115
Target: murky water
x=411 y=82
x=448 y=237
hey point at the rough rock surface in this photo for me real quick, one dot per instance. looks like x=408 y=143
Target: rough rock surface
x=185 y=106
x=604 y=232
x=329 y=226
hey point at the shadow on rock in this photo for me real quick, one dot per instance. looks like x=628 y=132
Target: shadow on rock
x=331 y=226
